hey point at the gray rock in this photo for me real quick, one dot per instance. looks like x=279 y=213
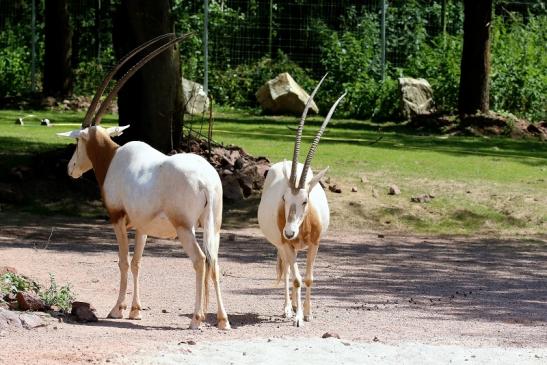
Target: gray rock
x=394 y=190
x=194 y=98
x=84 y=312
x=330 y=334
x=30 y=321
x=9 y=319
x=416 y=97
x=283 y=95
x=425 y=198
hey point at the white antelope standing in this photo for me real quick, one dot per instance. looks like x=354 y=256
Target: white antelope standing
x=294 y=214
x=157 y=195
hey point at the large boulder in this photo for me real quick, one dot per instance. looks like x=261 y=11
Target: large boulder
x=416 y=97
x=283 y=95
x=194 y=97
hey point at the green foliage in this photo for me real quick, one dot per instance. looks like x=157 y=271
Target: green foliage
x=352 y=60
x=519 y=61
x=14 y=61
x=90 y=72
x=11 y=283
x=59 y=296
x=237 y=86
x=439 y=62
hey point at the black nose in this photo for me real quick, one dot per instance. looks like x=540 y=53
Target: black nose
x=289 y=235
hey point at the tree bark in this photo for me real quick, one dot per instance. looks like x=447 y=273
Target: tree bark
x=475 y=66
x=58 y=80
x=151 y=101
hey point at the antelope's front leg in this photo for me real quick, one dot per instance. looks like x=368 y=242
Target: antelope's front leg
x=123 y=263
x=287 y=308
x=308 y=280
x=290 y=254
x=140 y=241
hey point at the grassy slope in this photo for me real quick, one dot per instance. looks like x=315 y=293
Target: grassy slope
x=482 y=185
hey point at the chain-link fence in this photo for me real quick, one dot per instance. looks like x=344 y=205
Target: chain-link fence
x=315 y=35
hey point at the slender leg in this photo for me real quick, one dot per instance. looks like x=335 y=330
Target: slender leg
x=288 y=309
x=123 y=263
x=222 y=317
x=310 y=260
x=197 y=256
x=290 y=253
x=140 y=241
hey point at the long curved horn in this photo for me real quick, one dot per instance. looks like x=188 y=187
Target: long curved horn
x=315 y=143
x=132 y=71
x=298 y=139
x=93 y=106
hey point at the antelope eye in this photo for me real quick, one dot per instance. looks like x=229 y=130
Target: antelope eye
x=283 y=197
x=305 y=202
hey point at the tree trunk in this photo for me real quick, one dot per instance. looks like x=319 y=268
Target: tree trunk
x=475 y=67
x=151 y=101
x=58 y=49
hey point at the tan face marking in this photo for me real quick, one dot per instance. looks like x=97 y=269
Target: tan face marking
x=310 y=229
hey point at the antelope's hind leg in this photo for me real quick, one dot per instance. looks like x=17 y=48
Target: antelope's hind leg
x=194 y=252
x=140 y=241
x=123 y=264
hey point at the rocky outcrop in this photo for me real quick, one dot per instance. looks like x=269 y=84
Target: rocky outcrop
x=416 y=97
x=283 y=95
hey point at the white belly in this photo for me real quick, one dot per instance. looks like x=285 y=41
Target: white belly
x=159 y=226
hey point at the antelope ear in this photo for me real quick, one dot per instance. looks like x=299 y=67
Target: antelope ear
x=71 y=134
x=316 y=178
x=116 y=131
x=286 y=170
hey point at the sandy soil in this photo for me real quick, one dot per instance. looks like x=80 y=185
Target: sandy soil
x=381 y=295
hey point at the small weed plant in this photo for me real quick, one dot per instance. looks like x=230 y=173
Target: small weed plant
x=55 y=295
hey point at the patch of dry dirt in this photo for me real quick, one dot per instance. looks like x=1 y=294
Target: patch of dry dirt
x=391 y=290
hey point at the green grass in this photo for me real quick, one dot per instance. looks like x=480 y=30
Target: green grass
x=481 y=185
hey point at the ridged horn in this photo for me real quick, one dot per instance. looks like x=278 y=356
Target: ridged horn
x=132 y=71
x=93 y=106
x=315 y=143
x=299 y=134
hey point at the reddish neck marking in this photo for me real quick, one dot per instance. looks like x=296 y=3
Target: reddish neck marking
x=100 y=149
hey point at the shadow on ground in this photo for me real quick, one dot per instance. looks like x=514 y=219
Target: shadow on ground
x=499 y=280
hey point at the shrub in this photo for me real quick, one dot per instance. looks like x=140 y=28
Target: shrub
x=519 y=61
x=59 y=296
x=14 y=61
x=236 y=86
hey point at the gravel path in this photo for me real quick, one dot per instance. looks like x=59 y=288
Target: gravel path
x=390 y=297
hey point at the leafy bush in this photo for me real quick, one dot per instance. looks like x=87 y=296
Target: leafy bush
x=14 y=61
x=11 y=283
x=441 y=67
x=519 y=61
x=89 y=73
x=59 y=296
x=237 y=86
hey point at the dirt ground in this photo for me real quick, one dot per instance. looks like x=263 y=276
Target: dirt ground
x=377 y=293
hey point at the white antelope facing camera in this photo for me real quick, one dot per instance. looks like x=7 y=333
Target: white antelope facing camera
x=157 y=195
x=294 y=214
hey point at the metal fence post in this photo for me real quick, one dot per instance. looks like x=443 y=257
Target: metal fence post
x=443 y=21
x=270 y=30
x=383 y=38
x=33 y=48
x=206 y=47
